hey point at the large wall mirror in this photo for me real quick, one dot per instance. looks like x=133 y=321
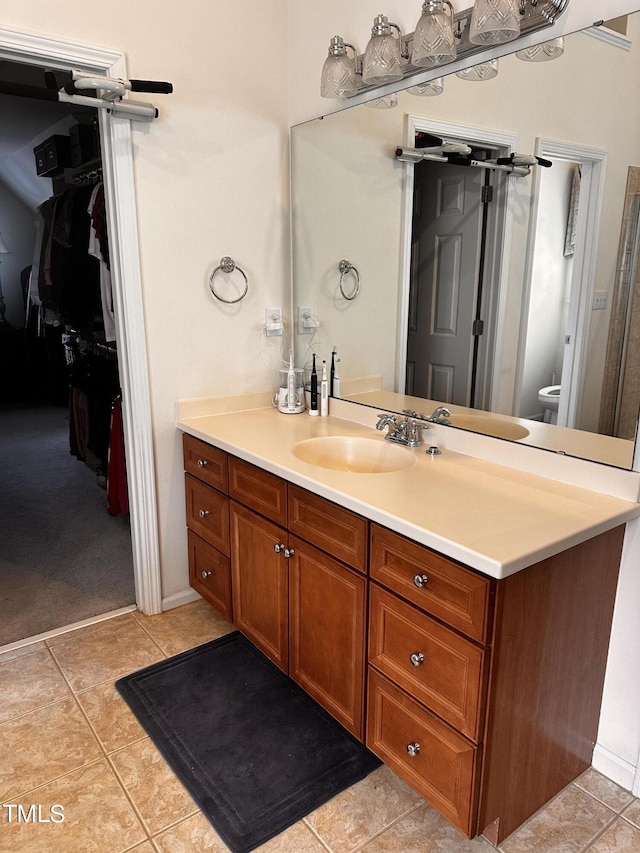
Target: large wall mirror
x=545 y=273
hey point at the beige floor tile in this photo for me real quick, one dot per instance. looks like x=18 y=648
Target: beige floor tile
x=29 y=682
x=42 y=745
x=354 y=816
x=425 y=831
x=87 y=630
x=632 y=813
x=620 y=837
x=604 y=789
x=98 y=818
x=185 y=627
x=193 y=834
x=112 y=649
x=23 y=650
x=110 y=716
x=565 y=825
x=297 y=839
x=159 y=796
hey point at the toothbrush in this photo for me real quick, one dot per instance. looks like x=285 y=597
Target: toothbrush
x=333 y=371
x=324 y=391
x=313 y=408
x=291 y=384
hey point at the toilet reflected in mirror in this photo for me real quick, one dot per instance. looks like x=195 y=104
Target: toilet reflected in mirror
x=549 y=398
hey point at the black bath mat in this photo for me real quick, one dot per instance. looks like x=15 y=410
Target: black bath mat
x=255 y=752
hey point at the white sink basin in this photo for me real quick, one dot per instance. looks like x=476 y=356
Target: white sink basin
x=354 y=454
x=488 y=425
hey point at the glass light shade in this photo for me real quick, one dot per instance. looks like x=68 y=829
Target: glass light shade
x=542 y=52
x=433 y=40
x=479 y=73
x=494 y=22
x=382 y=62
x=387 y=102
x=428 y=90
x=338 y=78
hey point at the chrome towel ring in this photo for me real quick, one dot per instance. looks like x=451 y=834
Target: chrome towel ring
x=345 y=268
x=228 y=265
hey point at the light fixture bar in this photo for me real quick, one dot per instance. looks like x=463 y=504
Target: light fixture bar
x=535 y=15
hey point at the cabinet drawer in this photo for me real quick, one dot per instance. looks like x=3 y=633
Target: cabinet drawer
x=210 y=574
x=205 y=462
x=448 y=591
x=443 y=768
x=336 y=530
x=258 y=489
x=435 y=665
x=208 y=513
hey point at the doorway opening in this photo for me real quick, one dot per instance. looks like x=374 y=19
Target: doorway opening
x=457 y=236
x=115 y=134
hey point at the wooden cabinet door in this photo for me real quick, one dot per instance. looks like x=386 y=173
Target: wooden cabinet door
x=259 y=583
x=327 y=606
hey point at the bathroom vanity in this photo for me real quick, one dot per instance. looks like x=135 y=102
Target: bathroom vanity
x=453 y=614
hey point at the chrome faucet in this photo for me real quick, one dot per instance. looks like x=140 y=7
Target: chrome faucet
x=440 y=415
x=404 y=431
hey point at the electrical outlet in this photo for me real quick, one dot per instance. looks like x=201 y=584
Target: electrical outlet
x=600 y=300
x=273 y=322
x=306 y=324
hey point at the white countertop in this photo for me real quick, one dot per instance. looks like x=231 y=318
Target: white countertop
x=491 y=517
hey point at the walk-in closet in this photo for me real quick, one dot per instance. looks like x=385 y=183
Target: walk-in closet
x=65 y=541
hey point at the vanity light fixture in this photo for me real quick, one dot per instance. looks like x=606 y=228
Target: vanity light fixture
x=542 y=52
x=495 y=21
x=480 y=72
x=383 y=56
x=441 y=36
x=338 y=78
x=434 y=41
x=428 y=90
x=386 y=102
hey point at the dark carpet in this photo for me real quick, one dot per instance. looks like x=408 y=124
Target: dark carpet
x=255 y=752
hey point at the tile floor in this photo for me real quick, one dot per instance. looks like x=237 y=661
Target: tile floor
x=66 y=738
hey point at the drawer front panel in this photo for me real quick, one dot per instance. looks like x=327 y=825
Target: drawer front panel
x=338 y=531
x=258 y=489
x=442 y=768
x=205 y=462
x=210 y=574
x=208 y=513
x=435 y=665
x=448 y=591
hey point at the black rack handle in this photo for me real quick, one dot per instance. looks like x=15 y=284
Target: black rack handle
x=151 y=86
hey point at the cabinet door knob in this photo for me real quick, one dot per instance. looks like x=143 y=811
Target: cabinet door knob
x=202 y=463
x=413 y=749
x=420 y=581
x=205 y=575
x=203 y=513
x=416 y=658
x=289 y=552
x=278 y=548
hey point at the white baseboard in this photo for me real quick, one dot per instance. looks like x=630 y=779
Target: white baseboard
x=613 y=767
x=186 y=596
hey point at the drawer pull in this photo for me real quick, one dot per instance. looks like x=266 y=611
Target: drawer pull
x=420 y=581
x=278 y=548
x=203 y=513
x=202 y=463
x=205 y=575
x=416 y=658
x=413 y=749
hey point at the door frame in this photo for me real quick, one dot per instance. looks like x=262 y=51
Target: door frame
x=497 y=262
x=117 y=161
